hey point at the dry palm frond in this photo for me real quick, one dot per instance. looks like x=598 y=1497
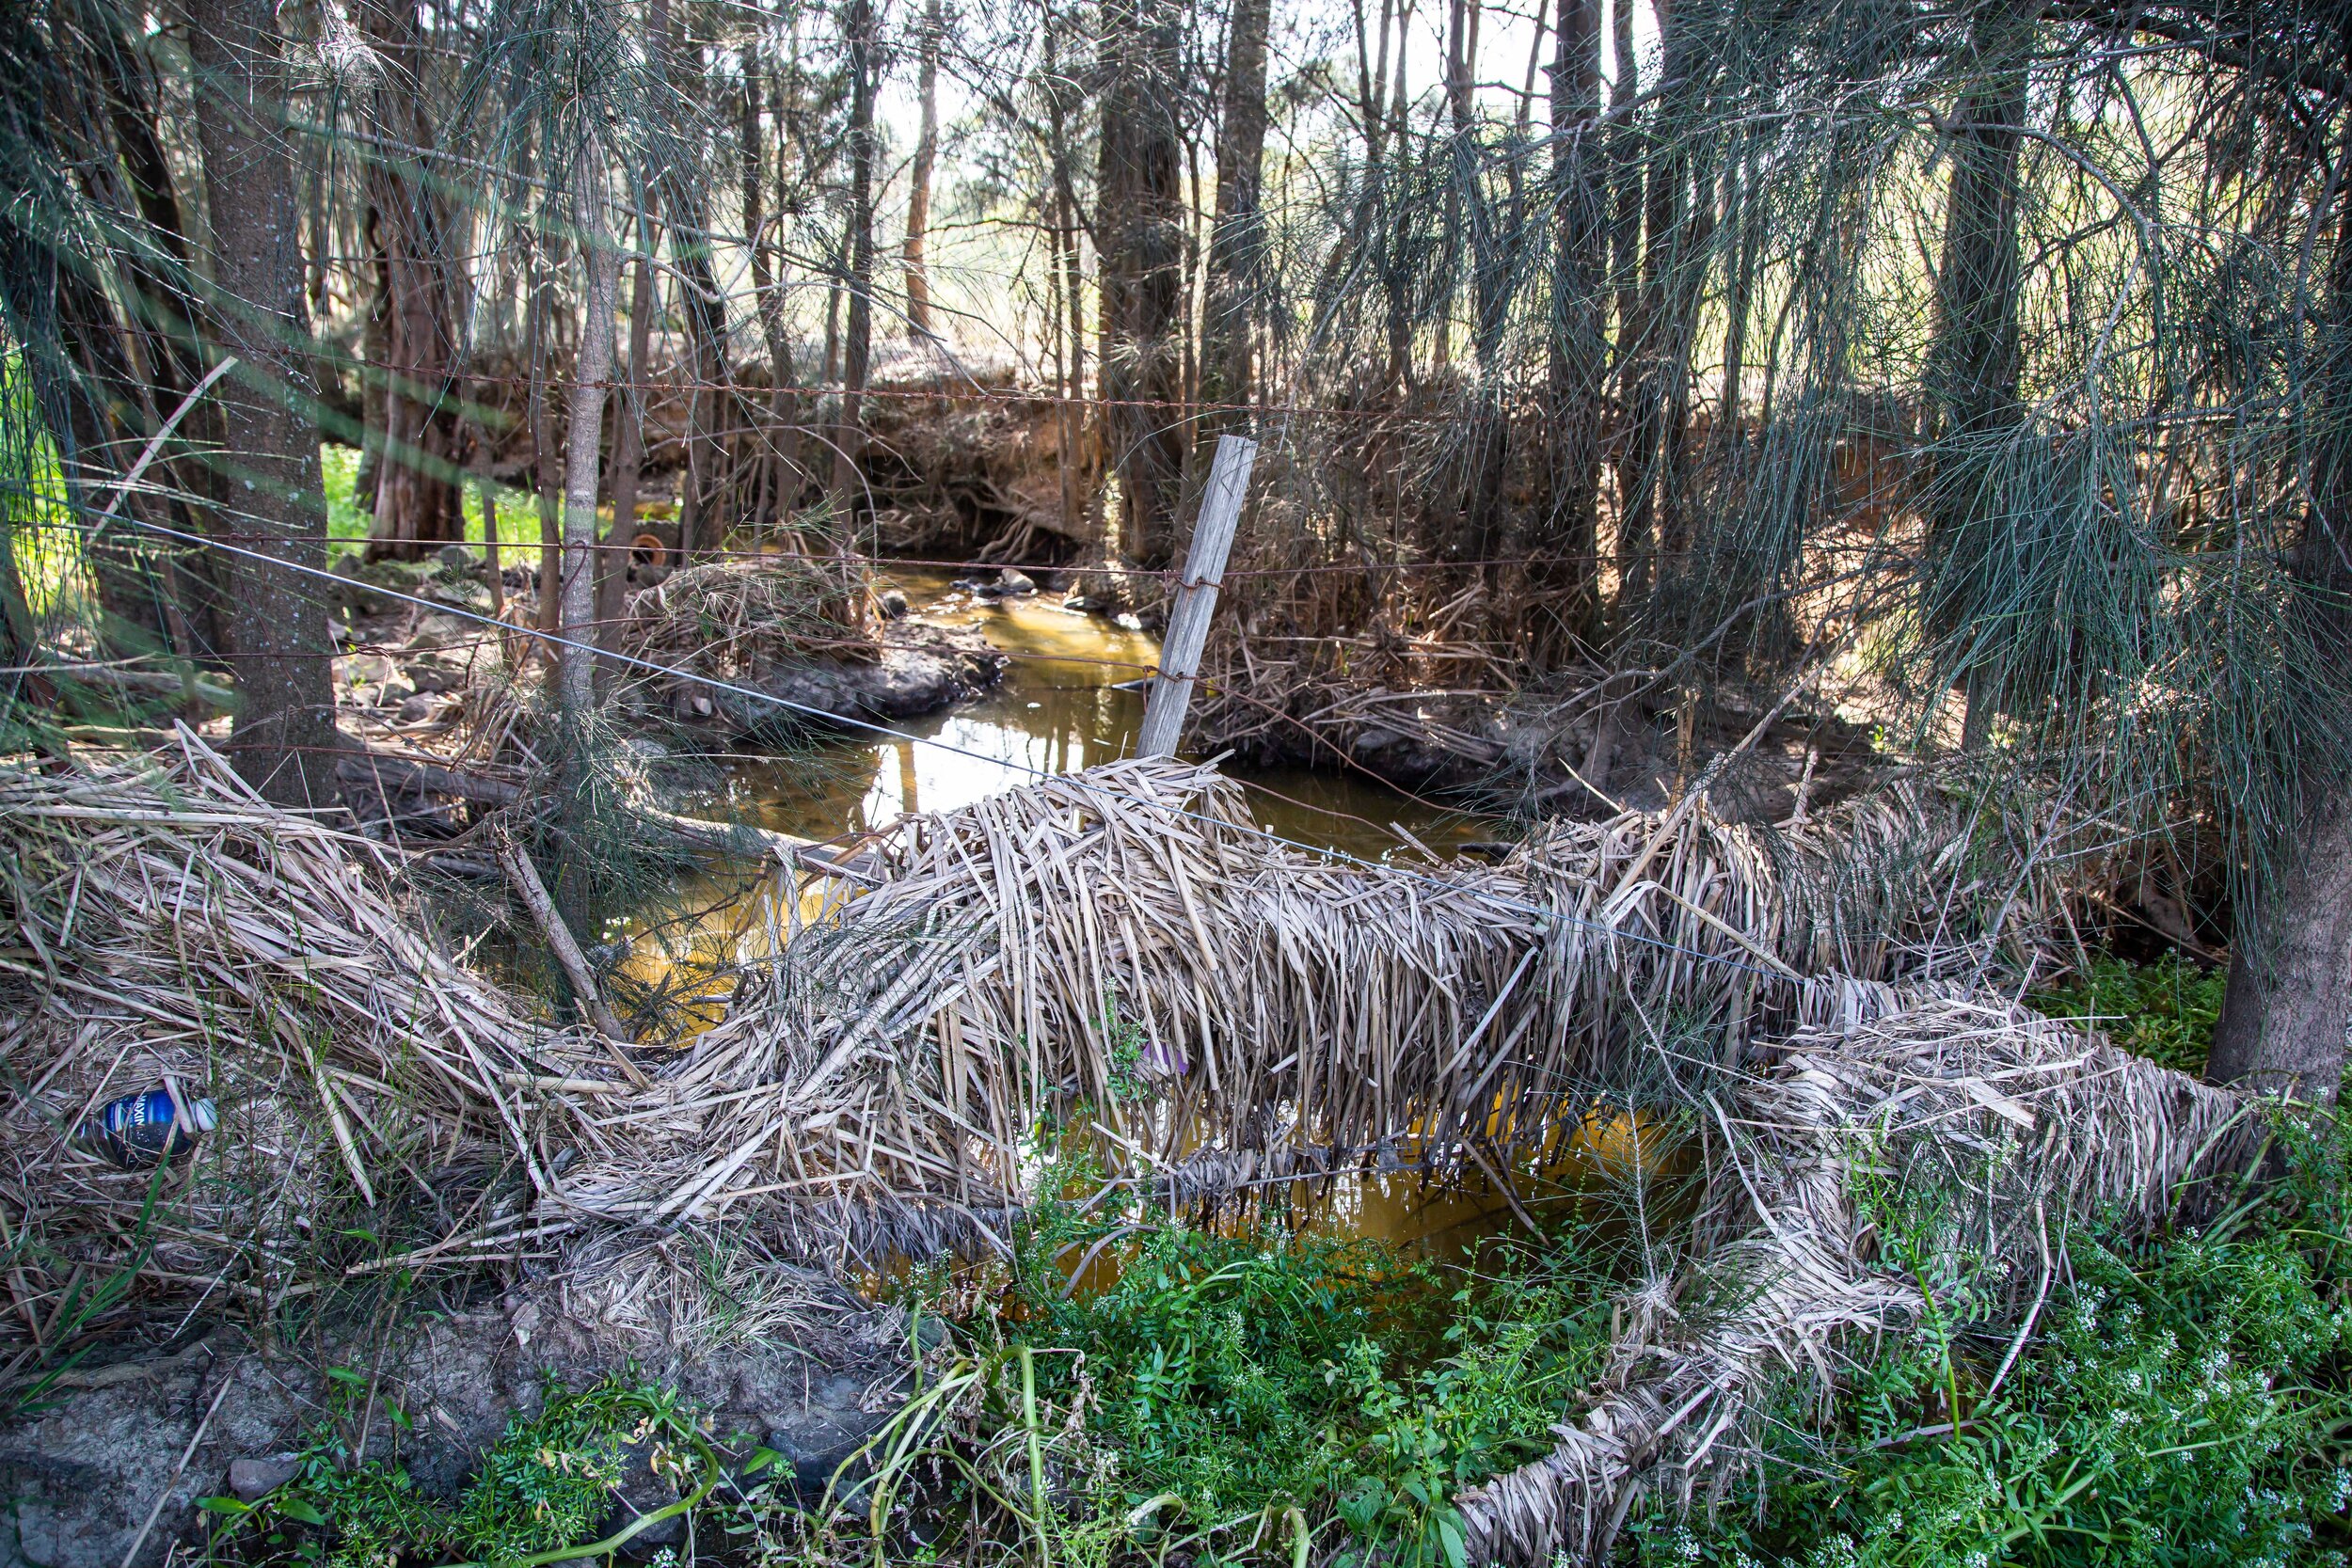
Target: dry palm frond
x=163 y=919
x=1123 y=949
x=740 y=619
x=2022 y=1123
x=699 y=1291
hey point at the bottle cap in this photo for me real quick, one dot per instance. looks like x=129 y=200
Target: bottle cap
x=204 y=1114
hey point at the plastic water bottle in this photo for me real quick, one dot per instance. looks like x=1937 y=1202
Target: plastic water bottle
x=142 y=1130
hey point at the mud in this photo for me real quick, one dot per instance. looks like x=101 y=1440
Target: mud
x=922 y=669
x=81 y=1477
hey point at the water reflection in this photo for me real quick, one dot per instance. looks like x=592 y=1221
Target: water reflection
x=1059 y=709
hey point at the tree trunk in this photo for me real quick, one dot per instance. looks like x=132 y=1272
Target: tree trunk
x=1654 y=339
x=1625 y=179
x=858 y=340
x=920 y=176
x=284 y=738
x=545 y=486
x=592 y=367
x=89 y=398
x=2290 y=988
x=1972 y=358
x=67 y=335
x=684 y=203
x=2283 y=1012
x=1141 y=224
x=1237 y=243
x=1396 y=271
x=629 y=444
x=165 y=312
x=416 y=496
x=1072 y=349
x=779 y=452
x=1561 y=567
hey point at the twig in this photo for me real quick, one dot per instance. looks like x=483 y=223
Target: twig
x=534 y=893
x=177 y=1471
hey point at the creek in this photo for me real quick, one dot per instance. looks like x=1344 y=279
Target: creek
x=1060 y=708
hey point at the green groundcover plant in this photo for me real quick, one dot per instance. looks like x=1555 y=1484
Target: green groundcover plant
x=2185 y=1402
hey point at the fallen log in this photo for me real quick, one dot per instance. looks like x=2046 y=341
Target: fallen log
x=408 y=776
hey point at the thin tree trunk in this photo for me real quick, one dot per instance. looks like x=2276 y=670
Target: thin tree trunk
x=1625 y=182
x=920 y=176
x=1237 y=242
x=1747 y=208
x=284 y=739
x=779 y=456
x=1561 y=567
x=485 y=488
x=1396 y=275
x=75 y=355
x=592 y=367
x=1972 y=358
x=544 y=482
x=1461 y=57
x=628 y=444
x=164 y=313
x=684 y=201
x=416 y=499
x=1659 y=334
x=1068 y=259
x=858 y=340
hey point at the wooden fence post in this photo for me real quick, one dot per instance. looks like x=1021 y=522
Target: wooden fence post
x=1195 y=598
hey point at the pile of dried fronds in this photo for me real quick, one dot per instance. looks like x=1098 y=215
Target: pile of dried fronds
x=738 y=619
x=2017 y=1124
x=1122 y=950
x=163 y=919
x=1125 y=950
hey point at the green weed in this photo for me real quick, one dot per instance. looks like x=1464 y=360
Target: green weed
x=540 y=1495
x=1243 y=1393
x=2184 y=1402
x=2164 y=1011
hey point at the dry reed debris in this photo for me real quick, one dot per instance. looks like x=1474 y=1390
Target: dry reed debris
x=2024 y=1123
x=1122 y=951
x=163 y=919
x=739 y=620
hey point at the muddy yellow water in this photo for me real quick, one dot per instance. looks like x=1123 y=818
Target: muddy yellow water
x=1059 y=709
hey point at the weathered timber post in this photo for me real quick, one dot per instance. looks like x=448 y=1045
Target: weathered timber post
x=1196 y=597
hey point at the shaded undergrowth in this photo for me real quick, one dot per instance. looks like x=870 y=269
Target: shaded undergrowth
x=2165 y=1011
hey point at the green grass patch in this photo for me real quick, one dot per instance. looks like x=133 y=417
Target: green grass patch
x=348 y=521
x=2164 y=1011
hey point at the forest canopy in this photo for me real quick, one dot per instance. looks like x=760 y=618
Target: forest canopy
x=1994 y=352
